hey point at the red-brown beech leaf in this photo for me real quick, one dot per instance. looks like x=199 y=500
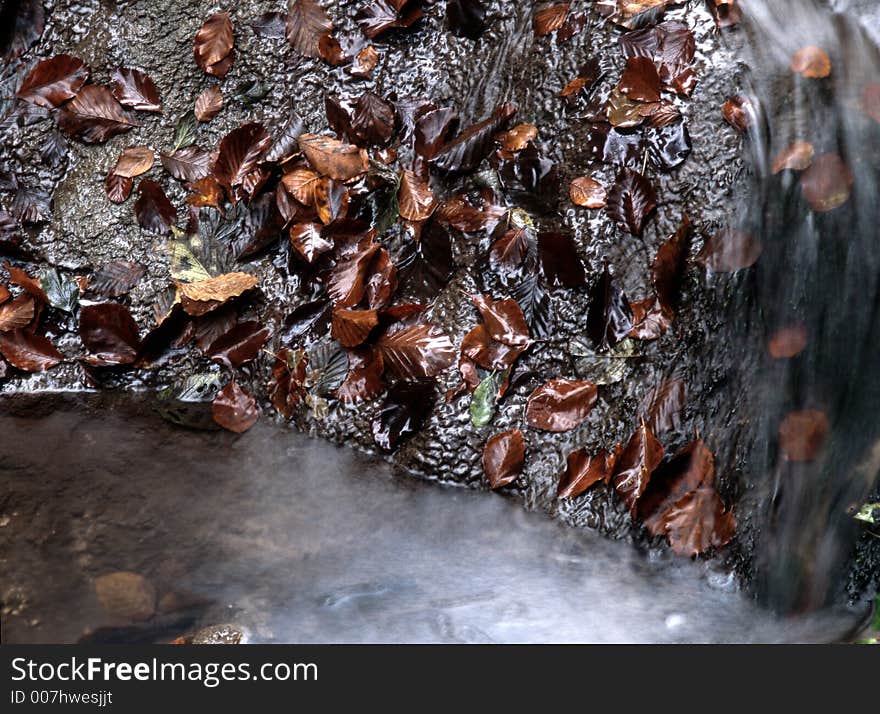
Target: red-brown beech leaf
x=729 y=250
x=811 y=62
x=504 y=320
x=561 y=404
x=240 y=345
x=154 y=212
x=308 y=241
x=94 y=115
x=118 y=188
x=16 y=313
x=550 y=18
x=788 y=342
x=352 y=327
x=135 y=90
x=188 y=164
x=286 y=389
x=698 y=522
x=559 y=261
x=797 y=156
x=32 y=287
x=53 y=81
x=669 y=266
x=639 y=459
x=663 y=405
x=609 y=317
x=503 y=458
x=416 y=199
x=510 y=250
x=802 y=434
x=333 y=158
x=403 y=412
x=209 y=103
x=234 y=409
x=373 y=119
x=641 y=81
x=307 y=22
x=478 y=347
x=364 y=379
x=432 y=129
x=109 y=333
x=116 y=279
x=650 y=320
x=470 y=147
x=587 y=192
x=417 y=351
x=347 y=281
x=240 y=150
x=134 y=161
x=692 y=467
x=740 y=112
x=212 y=46
x=631 y=200
x=583 y=470
x=28 y=351
x=379 y=16
x=827 y=183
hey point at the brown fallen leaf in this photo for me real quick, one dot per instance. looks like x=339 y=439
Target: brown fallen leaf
x=126 y=595
x=209 y=103
x=583 y=470
x=240 y=345
x=213 y=43
x=333 y=158
x=415 y=352
x=215 y=290
x=109 y=333
x=741 y=113
x=352 y=327
x=550 y=18
x=16 y=313
x=239 y=152
x=301 y=183
x=307 y=23
x=788 y=342
x=662 y=407
x=503 y=458
x=28 y=351
x=134 y=161
x=640 y=81
x=364 y=62
x=504 y=320
x=309 y=241
x=94 y=115
x=518 y=138
x=826 y=185
x=637 y=461
x=729 y=250
x=234 y=409
x=364 y=378
x=795 y=157
x=811 y=62
x=560 y=404
x=698 y=522
x=31 y=286
x=205 y=192
x=802 y=434
x=53 y=81
x=587 y=192
x=416 y=199
x=153 y=210
x=135 y=90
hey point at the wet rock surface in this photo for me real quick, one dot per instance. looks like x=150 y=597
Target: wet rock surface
x=507 y=63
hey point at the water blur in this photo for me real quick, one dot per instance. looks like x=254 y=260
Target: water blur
x=293 y=540
x=819 y=270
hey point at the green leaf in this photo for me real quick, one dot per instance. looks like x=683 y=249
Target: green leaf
x=869 y=513
x=63 y=292
x=185 y=131
x=485 y=398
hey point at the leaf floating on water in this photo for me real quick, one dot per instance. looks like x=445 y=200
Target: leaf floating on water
x=550 y=18
x=94 y=115
x=307 y=22
x=795 y=157
x=729 y=250
x=788 y=342
x=403 y=412
x=333 y=158
x=584 y=470
x=28 y=351
x=827 y=184
x=154 y=212
x=212 y=46
x=234 y=409
x=240 y=150
x=352 y=327
x=373 y=119
x=639 y=459
x=811 y=62
x=466 y=18
x=561 y=404
x=802 y=435
x=470 y=147
x=609 y=318
x=587 y=192
x=631 y=200
x=641 y=81
x=53 y=81
x=134 y=161
x=109 y=333
x=118 y=188
x=135 y=90
x=16 y=313
x=503 y=458
x=208 y=103
x=417 y=351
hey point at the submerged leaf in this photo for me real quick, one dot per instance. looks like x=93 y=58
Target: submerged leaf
x=729 y=250
x=811 y=62
x=609 y=318
x=587 y=192
x=802 y=434
x=470 y=147
x=698 y=522
x=110 y=333
x=639 y=459
x=827 y=183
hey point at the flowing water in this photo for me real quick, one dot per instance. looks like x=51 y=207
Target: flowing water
x=819 y=270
